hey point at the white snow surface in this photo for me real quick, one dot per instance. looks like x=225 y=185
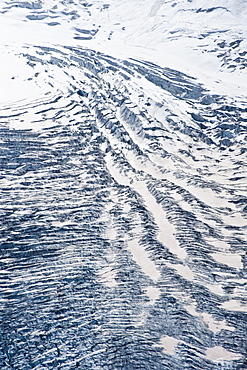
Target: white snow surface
x=184 y=35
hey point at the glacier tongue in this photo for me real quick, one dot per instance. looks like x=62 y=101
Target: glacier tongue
x=123 y=185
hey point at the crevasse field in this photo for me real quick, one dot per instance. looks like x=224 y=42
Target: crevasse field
x=123 y=150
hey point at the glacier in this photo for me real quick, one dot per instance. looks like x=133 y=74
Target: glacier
x=123 y=185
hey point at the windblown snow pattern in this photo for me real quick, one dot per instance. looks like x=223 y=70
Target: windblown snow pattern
x=123 y=185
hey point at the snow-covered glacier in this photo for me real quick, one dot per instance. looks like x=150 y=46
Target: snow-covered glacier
x=123 y=185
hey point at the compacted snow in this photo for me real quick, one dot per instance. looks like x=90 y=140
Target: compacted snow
x=123 y=185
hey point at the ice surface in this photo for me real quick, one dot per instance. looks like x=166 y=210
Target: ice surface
x=123 y=185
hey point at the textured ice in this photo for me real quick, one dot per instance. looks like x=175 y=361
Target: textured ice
x=123 y=185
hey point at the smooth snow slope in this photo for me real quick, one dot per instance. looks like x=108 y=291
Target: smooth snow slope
x=123 y=185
